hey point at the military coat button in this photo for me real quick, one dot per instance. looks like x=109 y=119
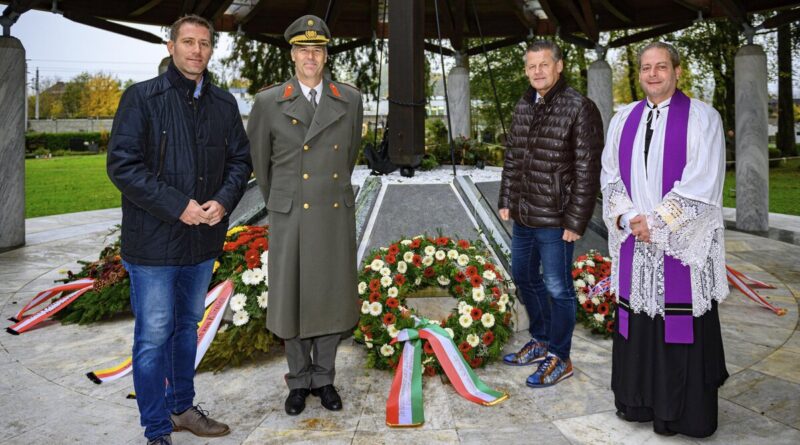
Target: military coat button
x=306 y=147
x=336 y=176
x=294 y=121
x=306 y=206
x=305 y=175
x=335 y=205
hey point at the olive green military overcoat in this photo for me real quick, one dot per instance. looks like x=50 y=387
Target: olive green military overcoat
x=303 y=161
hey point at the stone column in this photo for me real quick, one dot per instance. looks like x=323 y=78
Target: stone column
x=599 y=89
x=459 y=97
x=752 y=165
x=162 y=67
x=12 y=143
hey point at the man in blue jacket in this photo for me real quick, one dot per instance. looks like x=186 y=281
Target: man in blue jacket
x=180 y=156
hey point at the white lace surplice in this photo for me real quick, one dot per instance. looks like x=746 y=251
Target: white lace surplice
x=686 y=223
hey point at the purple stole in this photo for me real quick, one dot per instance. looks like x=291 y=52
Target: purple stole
x=678 y=320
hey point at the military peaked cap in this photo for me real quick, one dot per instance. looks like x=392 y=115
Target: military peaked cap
x=308 y=30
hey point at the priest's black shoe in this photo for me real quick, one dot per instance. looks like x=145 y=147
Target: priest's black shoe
x=329 y=397
x=296 y=402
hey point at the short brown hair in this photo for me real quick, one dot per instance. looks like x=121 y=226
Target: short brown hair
x=674 y=57
x=194 y=20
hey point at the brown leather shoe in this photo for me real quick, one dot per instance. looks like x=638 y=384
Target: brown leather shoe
x=196 y=421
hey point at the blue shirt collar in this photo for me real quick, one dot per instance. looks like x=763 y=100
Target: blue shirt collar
x=198 y=88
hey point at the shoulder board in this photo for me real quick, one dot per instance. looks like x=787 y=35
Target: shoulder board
x=267 y=87
x=351 y=86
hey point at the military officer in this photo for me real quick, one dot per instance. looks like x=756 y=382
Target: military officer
x=304 y=137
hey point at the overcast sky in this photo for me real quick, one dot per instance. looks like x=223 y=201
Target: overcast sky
x=62 y=49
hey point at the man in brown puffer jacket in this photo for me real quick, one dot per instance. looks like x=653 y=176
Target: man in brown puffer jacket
x=550 y=183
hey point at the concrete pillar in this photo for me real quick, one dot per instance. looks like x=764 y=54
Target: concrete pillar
x=599 y=89
x=162 y=67
x=459 y=97
x=752 y=165
x=12 y=143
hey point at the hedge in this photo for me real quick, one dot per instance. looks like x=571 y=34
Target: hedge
x=61 y=141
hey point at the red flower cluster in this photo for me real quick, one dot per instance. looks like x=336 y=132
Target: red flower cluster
x=599 y=269
x=253 y=239
x=476 y=313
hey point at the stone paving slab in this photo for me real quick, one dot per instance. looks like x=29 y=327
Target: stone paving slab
x=45 y=397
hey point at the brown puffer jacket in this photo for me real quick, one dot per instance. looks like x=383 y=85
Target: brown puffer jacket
x=551 y=174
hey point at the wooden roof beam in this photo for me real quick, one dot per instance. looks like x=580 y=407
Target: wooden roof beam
x=113 y=27
x=146 y=6
x=616 y=12
x=254 y=10
x=689 y=5
x=333 y=14
x=782 y=18
x=545 y=4
x=445 y=17
x=734 y=9
x=649 y=34
x=579 y=20
x=434 y=48
x=497 y=44
x=459 y=15
x=188 y=6
x=591 y=23
x=525 y=17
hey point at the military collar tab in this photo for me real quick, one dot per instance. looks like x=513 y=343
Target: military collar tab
x=289 y=90
x=332 y=90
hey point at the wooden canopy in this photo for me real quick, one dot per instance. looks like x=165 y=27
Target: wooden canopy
x=579 y=21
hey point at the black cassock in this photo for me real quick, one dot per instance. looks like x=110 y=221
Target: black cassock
x=673 y=385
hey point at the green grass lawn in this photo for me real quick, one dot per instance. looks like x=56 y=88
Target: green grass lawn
x=77 y=183
x=784 y=188
x=68 y=184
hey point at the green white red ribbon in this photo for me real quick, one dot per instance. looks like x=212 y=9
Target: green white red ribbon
x=23 y=323
x=740 y=281
x=206 y=330
x=404 y=406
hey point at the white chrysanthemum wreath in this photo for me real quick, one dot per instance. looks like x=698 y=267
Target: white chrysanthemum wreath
x=480 y=324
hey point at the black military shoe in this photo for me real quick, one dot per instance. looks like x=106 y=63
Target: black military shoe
x=296 y=402
x=329 y=397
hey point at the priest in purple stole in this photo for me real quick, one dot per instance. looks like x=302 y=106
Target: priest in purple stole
x=663 y=171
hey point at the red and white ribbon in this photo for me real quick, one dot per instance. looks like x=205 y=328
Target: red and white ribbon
x=45 y=313
x=739 y=281
x=206 y=331
x=46 y=295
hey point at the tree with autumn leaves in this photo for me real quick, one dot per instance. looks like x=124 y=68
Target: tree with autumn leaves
x=85 y=95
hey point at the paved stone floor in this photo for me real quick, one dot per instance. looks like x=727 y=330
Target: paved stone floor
x=46 y=398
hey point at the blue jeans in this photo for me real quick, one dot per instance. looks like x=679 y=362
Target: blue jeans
x=548 y=296
x=168 y=302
